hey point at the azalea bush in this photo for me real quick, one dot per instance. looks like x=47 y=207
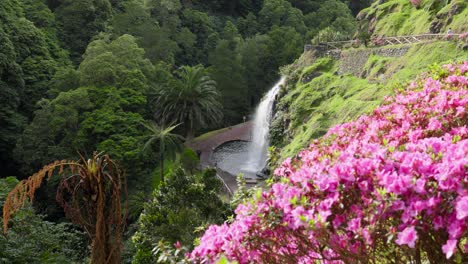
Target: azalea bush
x=389 y=187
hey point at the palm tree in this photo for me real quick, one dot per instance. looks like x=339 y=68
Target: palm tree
x=191 y=99
x=169 y=143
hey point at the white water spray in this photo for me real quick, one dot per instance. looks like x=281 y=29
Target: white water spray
x=258 y=149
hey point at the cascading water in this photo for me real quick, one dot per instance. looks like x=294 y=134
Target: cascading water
x=258 y=149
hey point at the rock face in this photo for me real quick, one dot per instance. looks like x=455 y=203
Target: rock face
x=444 y=18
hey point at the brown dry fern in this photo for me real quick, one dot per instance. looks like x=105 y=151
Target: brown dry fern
x=90 y=196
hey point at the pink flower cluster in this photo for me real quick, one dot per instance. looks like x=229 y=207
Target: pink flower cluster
x=416 y=3
x=394 y=181
x=379 y=41
x=463 y=36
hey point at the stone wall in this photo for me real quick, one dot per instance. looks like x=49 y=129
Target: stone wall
x=354 y=61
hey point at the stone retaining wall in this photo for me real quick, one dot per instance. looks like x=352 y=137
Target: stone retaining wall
x=354 y=61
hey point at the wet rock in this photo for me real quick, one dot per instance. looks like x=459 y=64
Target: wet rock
x=455 y=10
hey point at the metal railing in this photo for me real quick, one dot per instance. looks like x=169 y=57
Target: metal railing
x=383 y=41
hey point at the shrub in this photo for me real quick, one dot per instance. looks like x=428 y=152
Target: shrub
x=180 y=208
x=391 y=186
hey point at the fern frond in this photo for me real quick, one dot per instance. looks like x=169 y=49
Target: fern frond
x=25 y=189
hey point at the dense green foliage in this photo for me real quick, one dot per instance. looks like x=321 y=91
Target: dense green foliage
x=184 y=203
x=29 y=57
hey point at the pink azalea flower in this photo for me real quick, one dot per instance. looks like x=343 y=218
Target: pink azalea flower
x=354 y=224
x=434 y=124
x=462 y=208
x=407 y=237
x=449 y=248
x=177 y=245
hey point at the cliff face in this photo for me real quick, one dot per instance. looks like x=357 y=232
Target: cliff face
x=324 y=91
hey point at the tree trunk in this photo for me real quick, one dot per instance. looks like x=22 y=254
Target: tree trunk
x=161 y=156
x=190 y=133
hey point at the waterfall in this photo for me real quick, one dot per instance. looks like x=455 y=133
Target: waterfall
x=258 y=149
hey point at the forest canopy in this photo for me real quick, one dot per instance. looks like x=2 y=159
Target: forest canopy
x=80 y=75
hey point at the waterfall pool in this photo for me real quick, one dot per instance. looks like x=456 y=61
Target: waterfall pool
x=231 y=157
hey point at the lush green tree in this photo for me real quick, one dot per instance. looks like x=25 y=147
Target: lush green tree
x=248 y=26
x=177 y=209
x=188 y=53
x=156 y=38
x=119 y=63
x=191 y=99
x=29 y=57
x=258 y=69
x=286 y=43
x=203 y=27
x=281 y=13
x=169 y=143
x=51 y=134
x=227 y=70
x=65 y=79
x=44 y=19
x=79 y=21
x=307 y=6
x=165 y=12
x=357 y=5
x=11 y=87
x=333 y=14
x=229 y=7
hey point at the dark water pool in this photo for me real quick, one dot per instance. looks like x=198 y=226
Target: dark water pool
x=232 y=157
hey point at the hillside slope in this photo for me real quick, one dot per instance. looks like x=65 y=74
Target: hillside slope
x=404 y=17
x=324 y=91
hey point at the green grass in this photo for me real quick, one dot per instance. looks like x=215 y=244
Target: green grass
x=322 y=64
x=399 y=17
x=420 y=56
x=338 y=101
x=209 y=134
x=376 y=66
